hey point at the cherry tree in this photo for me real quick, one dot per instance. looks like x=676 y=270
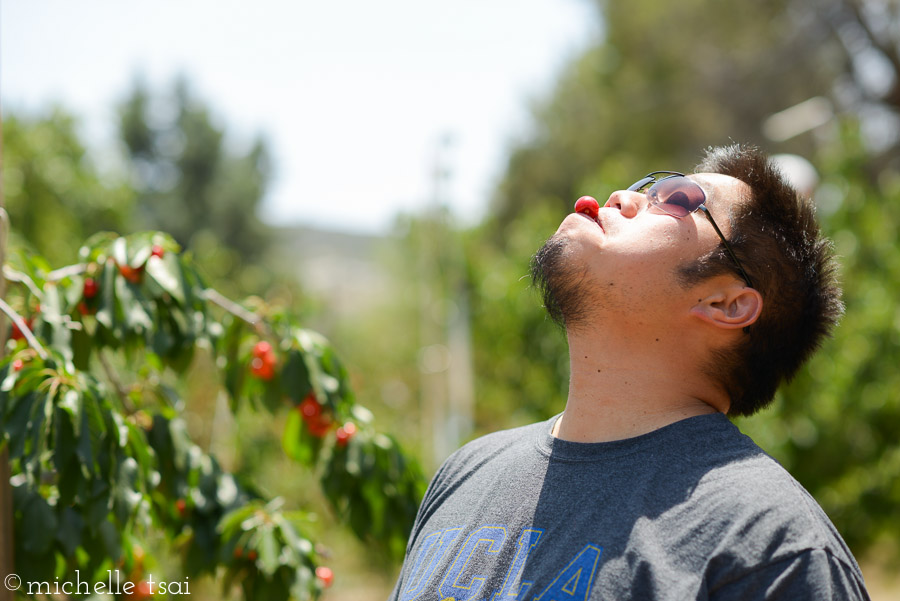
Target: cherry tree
x=100 y=455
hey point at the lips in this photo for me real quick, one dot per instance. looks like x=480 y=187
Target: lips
x=595 y=220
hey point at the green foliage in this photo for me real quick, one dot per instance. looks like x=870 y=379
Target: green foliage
x=521 y=357
x=98 y=461
x=81 y=470
x=53 y=193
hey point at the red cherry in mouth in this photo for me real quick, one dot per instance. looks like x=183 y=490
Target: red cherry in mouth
x=588 y=205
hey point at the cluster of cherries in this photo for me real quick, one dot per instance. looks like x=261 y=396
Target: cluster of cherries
x=262 y=365
x=319 y=423
x=91 y=288
x=323 y=573
x=134 y=275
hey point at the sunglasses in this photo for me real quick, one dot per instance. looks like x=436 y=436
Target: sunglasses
x=679 y=196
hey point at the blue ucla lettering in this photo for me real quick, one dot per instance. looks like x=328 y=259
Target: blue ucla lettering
x=575 y=580
x=513 y=590
x=464 y=587
x=420 y=574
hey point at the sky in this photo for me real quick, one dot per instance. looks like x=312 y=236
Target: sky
x=359 y=100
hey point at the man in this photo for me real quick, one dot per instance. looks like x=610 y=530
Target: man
x=684 y=298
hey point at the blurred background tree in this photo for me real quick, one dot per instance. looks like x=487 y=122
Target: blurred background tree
x=54 y=193
x=194 y=182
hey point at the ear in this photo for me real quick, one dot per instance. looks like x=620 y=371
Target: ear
x=732 y=307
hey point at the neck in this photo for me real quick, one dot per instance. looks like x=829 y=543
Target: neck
x=620 y=387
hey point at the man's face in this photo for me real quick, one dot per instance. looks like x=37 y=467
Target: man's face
x=626 y=262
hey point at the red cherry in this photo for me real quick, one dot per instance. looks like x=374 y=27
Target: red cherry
x=319 y=425
x=588 y=205
x=84 y=309
x=17 y=334
x=158 y=251
x=261 y=349
x=251 y=555
x=345 y=433
x=325 y=575
x=181 y=506
x=18 y=365
x=132 y=274
x=238 y=552
x=310 y=407
x=90 y=288
x=262 y=369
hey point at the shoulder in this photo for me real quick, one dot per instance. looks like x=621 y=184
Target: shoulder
x=811 y=574
x=476 y=462
x=490 y=448
x=760 y=516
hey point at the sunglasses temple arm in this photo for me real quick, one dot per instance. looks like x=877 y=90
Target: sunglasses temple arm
x=727 y=246
x=641 y=183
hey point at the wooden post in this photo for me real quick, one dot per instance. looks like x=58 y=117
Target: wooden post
x=6 y=525
x=7 y=565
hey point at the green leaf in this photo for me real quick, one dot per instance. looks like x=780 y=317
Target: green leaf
x=166 y=273
x=70 y=402
x=82 y=347
x=107 y=311
x=112 y=541
x=39 y=521
x=269 y=551
x=120 y=251
x=64 y=445
x=85 y=447
x=56 y=321
x=295 y=377
x=70 y=529
x=290 y=437
x=16 y=426
x=231 y=523
x=141 y=250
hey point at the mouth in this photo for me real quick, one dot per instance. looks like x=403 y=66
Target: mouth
x=594 y=220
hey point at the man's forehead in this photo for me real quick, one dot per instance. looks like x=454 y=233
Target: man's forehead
x=722 y=190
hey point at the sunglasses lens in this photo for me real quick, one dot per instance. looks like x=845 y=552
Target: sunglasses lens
x=677 y=196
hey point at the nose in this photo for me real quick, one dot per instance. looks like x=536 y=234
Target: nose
x=628 y=203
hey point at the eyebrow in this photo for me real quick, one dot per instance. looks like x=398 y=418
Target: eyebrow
x=705 y=185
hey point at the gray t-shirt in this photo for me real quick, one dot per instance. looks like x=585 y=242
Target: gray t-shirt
x=694 y=510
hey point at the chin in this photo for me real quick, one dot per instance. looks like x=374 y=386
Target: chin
x=560 y=280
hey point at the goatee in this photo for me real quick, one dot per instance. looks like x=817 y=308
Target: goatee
x=560 y=283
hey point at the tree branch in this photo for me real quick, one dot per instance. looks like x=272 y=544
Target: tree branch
x=215 y=297
x=26 y=331
x=17 y=276
x=64 y=272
